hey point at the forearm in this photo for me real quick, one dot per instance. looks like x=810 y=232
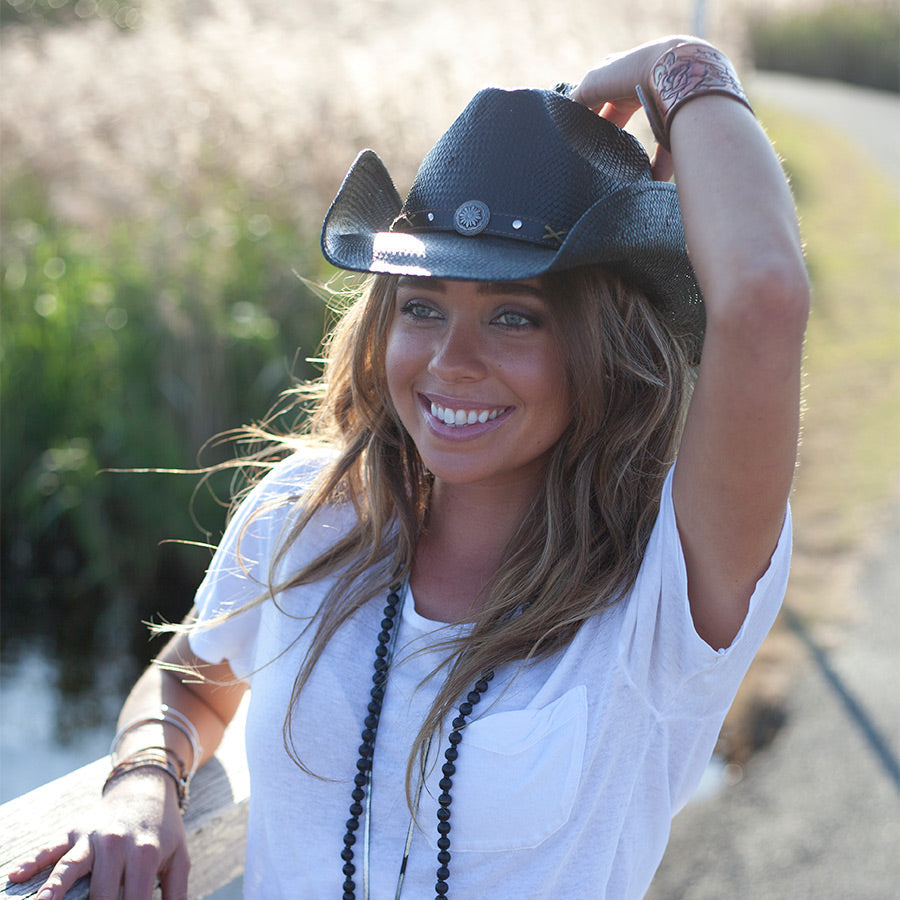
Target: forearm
x=739 y=217
x=179 y=697
x=155 y=691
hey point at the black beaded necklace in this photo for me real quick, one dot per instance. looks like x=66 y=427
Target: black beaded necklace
x=384 y=652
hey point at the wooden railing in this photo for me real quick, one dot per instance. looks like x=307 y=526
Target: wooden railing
x=216 y=820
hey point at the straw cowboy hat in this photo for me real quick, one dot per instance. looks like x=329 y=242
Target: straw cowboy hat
x=523 y=183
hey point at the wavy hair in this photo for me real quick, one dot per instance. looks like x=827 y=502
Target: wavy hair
x=580 y=543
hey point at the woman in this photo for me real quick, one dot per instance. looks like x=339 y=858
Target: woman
x=492 y=575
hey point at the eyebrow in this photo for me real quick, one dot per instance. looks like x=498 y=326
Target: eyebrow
x=503 y=288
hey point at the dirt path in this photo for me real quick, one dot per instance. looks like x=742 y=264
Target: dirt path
x=871 y=118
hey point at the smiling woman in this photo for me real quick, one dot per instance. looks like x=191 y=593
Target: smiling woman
x=559 y=612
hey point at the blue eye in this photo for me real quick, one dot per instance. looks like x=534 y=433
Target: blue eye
x=510 y=319
x=419 y=311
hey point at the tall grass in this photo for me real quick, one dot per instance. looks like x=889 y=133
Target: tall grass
x=129 y=351
x=857 y=42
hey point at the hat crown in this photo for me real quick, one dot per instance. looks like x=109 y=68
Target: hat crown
x=531 y=157
x=522 y=184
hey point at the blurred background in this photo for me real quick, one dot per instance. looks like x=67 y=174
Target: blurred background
x=166 y=165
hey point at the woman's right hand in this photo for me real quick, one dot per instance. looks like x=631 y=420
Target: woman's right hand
x=134 y=839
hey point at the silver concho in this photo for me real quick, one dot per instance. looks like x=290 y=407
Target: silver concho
x=472 y=217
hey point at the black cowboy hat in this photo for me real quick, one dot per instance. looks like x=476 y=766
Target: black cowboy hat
x=523 y=183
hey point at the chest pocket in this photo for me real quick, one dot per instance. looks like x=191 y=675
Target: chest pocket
x=516 y=777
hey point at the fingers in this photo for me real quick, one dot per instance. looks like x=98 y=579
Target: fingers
x=71 y=866
x=174 y=879
x=619 y=113
x=612 y=82
x=610 y=90
x=106 y=877
x=662 y=166
x=28 y=868
x=108 y=871
x=140 y=876
x=135 y=865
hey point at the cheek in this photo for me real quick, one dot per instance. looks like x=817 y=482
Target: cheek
x=558 y=395
x=400 y=366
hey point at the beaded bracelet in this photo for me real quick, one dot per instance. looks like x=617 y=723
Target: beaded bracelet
x=153 y=758
x=684 y=72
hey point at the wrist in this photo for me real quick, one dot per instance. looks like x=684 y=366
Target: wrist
x=159 y=756
x=166 y=729
x=688 y=70
x=155 y=762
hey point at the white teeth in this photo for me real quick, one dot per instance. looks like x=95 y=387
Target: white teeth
x=459 y=418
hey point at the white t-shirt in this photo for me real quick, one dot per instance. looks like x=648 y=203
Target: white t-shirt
x=568 y=775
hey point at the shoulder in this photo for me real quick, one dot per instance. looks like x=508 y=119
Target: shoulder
x=295 y=474
x=281 y=483
x=661 y=646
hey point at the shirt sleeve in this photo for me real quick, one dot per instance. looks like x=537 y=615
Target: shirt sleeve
x=678 y=672
x=239 y=573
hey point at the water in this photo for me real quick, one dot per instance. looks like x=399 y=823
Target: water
x=31 y=751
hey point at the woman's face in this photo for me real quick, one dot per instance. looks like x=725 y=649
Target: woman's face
x=476 y=374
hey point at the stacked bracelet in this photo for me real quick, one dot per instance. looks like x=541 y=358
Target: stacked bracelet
x=158 y=757
x=166 y=716
x=155 y=758
x=686 y=71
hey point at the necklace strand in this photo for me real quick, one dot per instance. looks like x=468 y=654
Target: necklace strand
x=383 y=654
x=362 y=791
x=446 y=783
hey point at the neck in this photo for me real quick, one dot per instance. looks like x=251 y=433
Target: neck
x=466 y=541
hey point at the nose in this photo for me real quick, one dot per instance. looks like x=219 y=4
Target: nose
x=458 y=354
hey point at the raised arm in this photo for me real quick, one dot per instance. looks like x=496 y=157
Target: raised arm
x=135 y=836
x=738 y=451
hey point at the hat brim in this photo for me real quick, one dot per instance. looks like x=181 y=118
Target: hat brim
x=638 y=227
x=356 y=235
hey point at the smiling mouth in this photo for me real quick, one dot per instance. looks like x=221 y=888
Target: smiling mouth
x=461 y=418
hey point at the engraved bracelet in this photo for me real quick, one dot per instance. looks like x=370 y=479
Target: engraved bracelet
x=682 y=73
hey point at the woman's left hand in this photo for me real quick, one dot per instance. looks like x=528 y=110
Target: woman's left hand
x=609 y=89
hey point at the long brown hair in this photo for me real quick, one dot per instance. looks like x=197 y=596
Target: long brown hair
x=580 y=543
